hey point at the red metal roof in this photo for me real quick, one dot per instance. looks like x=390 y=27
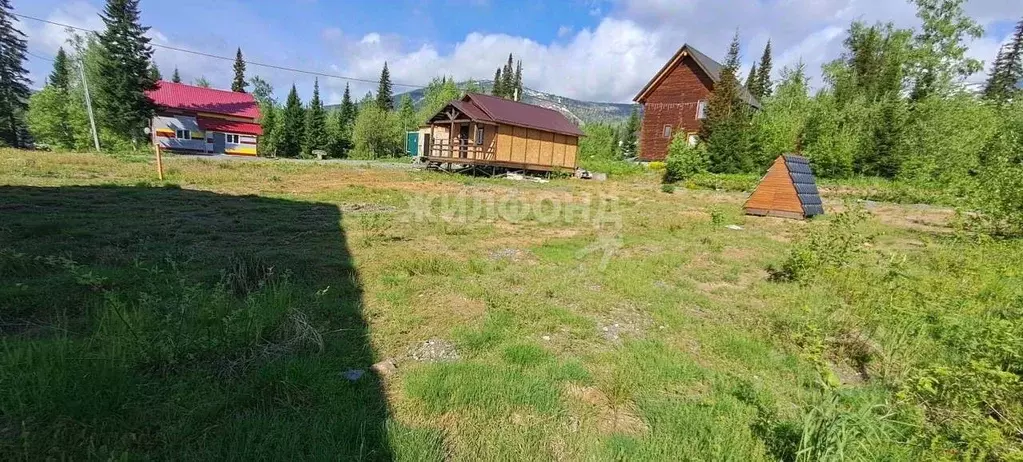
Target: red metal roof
x=191 y=98
x=230 y=126
x=524 y=115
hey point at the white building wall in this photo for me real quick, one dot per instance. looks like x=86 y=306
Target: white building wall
x=166 y=128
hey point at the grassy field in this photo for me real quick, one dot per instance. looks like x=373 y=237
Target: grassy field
x=224 y=313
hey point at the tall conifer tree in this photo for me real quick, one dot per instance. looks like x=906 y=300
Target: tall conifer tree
x=239 y=83
x=176 y=77
x=726 y=128
x=384 y=94
x=348 y=109
x=60 y=76
x=763 y=78
x=518 y=79
x=315 y=123
x=292 y=126
x=127 y=56
x=751 y=80
x=496 y=88
x=14 y=81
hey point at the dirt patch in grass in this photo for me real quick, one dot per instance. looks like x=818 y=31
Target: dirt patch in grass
x=597 y=409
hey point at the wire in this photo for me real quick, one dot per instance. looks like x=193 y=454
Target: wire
x=38 y=56
x=209 y=55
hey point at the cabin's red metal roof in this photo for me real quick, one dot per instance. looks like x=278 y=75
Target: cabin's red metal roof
x=199 y=99
x=229 y=126
x=471 y=110
x=524 y=115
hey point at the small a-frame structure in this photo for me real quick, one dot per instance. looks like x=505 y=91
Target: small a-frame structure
x=788 y=190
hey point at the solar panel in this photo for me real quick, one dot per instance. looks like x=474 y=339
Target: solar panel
x=805 y=184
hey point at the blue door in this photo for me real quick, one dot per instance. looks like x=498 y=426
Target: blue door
x=218 y=142
x=412 y=143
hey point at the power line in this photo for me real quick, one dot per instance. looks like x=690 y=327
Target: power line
x=209 y=55
x=37 y=56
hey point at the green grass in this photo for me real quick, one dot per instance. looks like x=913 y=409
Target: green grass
x=212 y=316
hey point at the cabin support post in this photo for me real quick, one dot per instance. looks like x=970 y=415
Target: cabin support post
x=429 y=148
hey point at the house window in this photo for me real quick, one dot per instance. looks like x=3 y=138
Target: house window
x=231 y=138
x=701 y=110
x=667 y=131
x=693 y=139
x=183 y=134
x=479 y=136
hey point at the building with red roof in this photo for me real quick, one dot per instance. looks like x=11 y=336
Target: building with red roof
x=204 y=120
x=496 y=132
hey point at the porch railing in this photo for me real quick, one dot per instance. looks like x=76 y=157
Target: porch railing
x=459 y=149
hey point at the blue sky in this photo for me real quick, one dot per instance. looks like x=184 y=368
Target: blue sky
x=589 y=49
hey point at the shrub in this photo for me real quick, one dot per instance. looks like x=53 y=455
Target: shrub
x=657 y=166
x=684 y=160
x=668 y=188
x=824 y=249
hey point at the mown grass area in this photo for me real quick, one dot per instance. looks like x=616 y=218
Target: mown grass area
x=214 y=315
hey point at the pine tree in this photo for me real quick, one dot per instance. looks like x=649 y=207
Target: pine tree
x=14 y=81
x=518 y=80
x=60 y=77
x=122 y=101
x=764 y=84
x=496 y=87
x=995 y=88
x=726 y=128
x=751 y=80
x=384 y=94
x=315 y=123
x=239 y=83
x=154 y=73
x=201 y=82
x=1003 y=84
x=631 y=136
x=176 y=78
x=348 y=110
x=289 y=138
x=508 y=78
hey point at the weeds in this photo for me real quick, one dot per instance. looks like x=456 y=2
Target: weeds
x=827 y=249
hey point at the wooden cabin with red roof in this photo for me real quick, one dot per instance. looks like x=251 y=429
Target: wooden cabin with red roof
x=192 y=119
x=484 y=130
x=675 y=101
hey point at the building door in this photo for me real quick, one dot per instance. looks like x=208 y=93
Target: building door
x=412 y=144
x=218 y=142
x=463 y=141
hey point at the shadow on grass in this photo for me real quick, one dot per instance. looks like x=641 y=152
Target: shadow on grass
x=154 y=322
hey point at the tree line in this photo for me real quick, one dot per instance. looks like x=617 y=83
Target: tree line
x=894 y=104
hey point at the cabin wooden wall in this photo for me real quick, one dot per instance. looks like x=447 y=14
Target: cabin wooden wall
x=520 y=145
x=674 y=103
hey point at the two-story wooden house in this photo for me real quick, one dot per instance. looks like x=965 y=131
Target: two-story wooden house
x=675 y=101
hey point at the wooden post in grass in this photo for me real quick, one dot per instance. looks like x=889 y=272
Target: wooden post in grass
x=159 y=161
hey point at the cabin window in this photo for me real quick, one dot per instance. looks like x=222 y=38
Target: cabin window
x=183 y=134
x=231 y=138
x=667 y=131
x=701 y=110
x=479 y=136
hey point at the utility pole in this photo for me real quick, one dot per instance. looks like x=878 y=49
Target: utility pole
x=88 y=104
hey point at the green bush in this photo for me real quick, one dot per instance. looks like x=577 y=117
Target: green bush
x=684 y=160
x=826 y=249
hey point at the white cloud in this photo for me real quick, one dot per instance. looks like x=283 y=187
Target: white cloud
x=609 y=61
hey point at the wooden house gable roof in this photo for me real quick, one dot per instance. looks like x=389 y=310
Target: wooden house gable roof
x=709 y=67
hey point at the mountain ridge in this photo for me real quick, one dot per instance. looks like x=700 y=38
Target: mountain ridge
x=578 y=111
